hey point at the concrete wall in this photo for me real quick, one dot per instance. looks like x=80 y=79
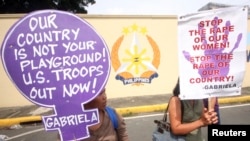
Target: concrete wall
x=161 y=30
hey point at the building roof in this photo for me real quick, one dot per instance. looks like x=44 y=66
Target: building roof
x=212 y=5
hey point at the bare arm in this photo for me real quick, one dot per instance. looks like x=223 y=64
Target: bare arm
x=175 y=119
x=207 y=117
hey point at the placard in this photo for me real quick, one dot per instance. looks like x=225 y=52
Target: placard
x=212 y=52
x=58 y=60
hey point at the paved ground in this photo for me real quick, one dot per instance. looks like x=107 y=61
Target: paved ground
x=125 y=106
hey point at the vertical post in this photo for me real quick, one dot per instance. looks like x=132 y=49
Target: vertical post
x=210 y=104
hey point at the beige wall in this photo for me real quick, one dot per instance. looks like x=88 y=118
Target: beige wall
x=163 y=30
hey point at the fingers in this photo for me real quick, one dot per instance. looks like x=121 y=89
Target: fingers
x=215 y=120
x=208 y=110
x=210 y=117
x=205 y=110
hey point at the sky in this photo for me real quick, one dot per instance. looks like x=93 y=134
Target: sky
x=154 y=7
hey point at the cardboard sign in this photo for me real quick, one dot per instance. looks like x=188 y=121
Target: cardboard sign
x=58 y=60
x=212 y=52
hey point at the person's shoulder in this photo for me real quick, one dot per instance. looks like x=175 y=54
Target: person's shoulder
x=111 y=109
x=174 y=98
x=108 y=108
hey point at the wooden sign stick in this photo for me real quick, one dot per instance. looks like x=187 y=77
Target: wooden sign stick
x=210 y=104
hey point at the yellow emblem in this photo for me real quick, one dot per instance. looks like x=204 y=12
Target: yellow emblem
x=135 y=63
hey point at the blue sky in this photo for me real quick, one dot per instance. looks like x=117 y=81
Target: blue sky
x=154 y=7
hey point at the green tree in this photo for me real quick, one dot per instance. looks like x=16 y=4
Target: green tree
x=26 y=6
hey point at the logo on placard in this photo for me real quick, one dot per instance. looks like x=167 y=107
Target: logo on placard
x=56 y=59
x=135 y=62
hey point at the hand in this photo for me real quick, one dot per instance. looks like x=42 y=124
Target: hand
x=209 y=117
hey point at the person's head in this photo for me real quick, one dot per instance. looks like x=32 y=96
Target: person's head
x=99 y=102
x=176 y=90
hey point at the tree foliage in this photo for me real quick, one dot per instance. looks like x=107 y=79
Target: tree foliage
x=26 y=6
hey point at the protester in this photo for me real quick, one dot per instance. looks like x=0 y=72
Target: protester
x=188 y=116
x=215 y=105
x=104 y=130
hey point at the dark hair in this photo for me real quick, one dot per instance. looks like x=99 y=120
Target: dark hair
x=176 y=90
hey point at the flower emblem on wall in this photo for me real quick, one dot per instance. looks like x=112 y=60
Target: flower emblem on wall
x=135 y=56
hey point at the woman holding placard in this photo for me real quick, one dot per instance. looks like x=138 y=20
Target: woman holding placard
x=188 y=116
